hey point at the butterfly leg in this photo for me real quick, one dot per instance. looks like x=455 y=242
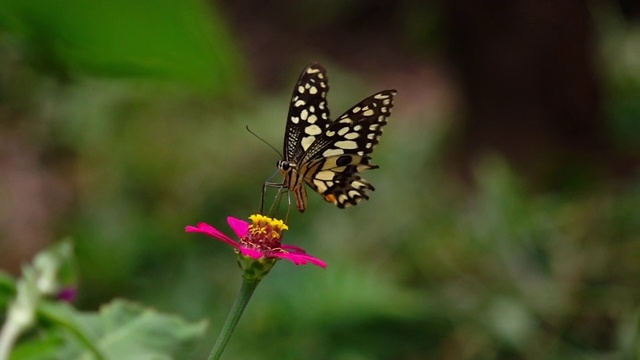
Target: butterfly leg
x=286 y=221
x=265 y=187
x=262 y=194
x=278 y=201
x=275 y=205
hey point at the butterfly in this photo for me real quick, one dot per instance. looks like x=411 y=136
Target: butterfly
x=329 y=155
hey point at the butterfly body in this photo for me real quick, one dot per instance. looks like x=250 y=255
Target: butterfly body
x=329 y=155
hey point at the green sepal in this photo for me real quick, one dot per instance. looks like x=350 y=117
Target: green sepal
x=255 y=269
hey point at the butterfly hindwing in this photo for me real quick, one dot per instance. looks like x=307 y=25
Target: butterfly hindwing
x=336 y=178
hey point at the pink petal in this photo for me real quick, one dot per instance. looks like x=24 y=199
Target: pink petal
x=300 y=259
x=240 y=227
x=211 y=231
x=293 y=249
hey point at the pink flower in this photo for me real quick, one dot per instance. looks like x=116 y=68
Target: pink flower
x=260 y=240
x=67 y=294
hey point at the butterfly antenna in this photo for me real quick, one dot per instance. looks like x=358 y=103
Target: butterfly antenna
x=264 y=141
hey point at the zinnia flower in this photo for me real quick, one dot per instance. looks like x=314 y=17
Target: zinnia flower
x=260 y=243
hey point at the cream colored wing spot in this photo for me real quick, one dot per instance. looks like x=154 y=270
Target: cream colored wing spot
x=326 y=175
x=351 y=136
x=307 y=141
x=332 y=152
x=320 y=185
x=343 y=131
x=348 y=144
x=313 y=129
x=330 y=163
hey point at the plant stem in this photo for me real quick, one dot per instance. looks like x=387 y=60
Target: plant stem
x=20 y=313
x=8 y=335
x=20 y=317
x=239 y=304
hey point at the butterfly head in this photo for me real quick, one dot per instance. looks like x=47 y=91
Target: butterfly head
x=285 y=166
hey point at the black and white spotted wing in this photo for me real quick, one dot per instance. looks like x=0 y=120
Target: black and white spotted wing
x=329 y=155
x=308 y=112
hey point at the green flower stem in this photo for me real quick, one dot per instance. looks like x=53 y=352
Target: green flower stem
x=239 y=304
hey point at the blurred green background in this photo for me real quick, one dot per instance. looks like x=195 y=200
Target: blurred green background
x=506 y=220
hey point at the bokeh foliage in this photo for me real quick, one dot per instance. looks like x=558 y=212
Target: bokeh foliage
x=183 y=41
x=429 y=268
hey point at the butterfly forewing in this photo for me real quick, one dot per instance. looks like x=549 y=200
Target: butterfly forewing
x=308 y=112
x=357 y=131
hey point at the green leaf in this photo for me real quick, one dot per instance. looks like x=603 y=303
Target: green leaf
x=167 y=39
x=44 y=346
x=122 y=330
x=7 y=289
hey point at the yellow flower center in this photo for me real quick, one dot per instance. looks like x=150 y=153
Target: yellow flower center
x=265 y=221
x=265 y=232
